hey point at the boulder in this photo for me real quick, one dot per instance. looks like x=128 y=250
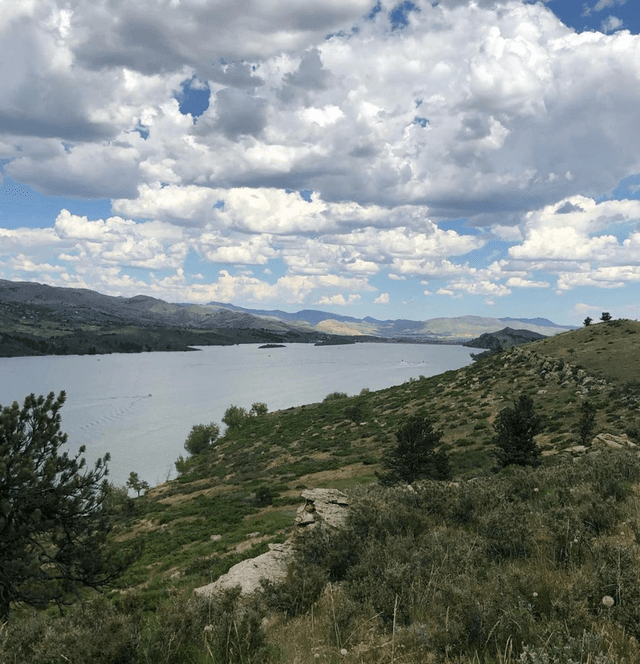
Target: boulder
x=323 y=508
x=247 y=574
x=615 y=442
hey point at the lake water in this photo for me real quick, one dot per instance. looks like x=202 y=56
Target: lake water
x=141 y=407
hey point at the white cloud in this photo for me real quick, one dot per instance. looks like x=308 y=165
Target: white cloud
x=611 y=24
x=255 y=251
x=383 y=298
x=481 y=287
x=495 y=113
x=339 y=299
x=519 y=282
x=501 y=99
x=603 y=4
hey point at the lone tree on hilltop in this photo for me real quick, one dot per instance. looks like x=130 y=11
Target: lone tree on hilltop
x=54 y=517
x=515 y=430
x=587 y=321
x=415 y=456
x=606 y=317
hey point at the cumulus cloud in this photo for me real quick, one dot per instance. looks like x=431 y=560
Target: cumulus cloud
x=121 y=243
x=452 y=128
x=570 y=238
x=338 y=300
x=332 y=142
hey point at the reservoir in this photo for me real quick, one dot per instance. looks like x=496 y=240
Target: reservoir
x=141 y=407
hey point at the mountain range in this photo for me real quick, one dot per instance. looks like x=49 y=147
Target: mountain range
x=442 y=328
x=40 y=319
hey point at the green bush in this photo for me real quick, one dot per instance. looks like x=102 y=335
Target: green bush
x=507 y=531
x=335 y=396
x=235 y=417
x=201 y=438
x=354 y=413
x=259 y=408
x=298 y=591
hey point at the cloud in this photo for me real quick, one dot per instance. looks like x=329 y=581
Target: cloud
x=567 y=231
x=603 y=4
x=611 y=24
x=338 y=300
x=505 y=101
x=240 y=114
x=519 y=282
x=256 y=251
x=383 y=298
x=334 y=144
x=116 y=242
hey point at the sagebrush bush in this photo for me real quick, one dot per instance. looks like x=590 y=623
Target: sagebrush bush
x=475 y=569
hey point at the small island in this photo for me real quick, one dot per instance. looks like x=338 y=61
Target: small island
x=272 y=346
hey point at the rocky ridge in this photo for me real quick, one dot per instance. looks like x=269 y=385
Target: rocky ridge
x=323 y=508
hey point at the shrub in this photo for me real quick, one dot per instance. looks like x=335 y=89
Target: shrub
x=587 y=422
x=300 y=589
x=259 y=408
x=334 y=396
x=354 y=413
x=507 y=531
x=235 y=417
x=264 y=496
x=201 y=438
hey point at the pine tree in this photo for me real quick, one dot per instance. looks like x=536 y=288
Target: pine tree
x=415 y=456
x=53 y=515
x=515 y=430
x=587 y=422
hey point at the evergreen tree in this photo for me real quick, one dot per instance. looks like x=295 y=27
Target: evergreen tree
x=606 y=317
x=415 y=456
x=587 y=321
x=53 y=514
x=587 y=421
x=515 y=430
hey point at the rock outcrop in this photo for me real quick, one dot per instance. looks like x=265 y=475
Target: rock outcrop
x=554 y=369
x=323 y=508
x=614 y=442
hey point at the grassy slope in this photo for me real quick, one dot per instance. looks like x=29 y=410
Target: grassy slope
x=497 y=599
x=317 y=445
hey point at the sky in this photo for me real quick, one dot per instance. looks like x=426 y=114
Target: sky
x=370 y=158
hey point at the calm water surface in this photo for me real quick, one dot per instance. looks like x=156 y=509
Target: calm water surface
x=141 y=407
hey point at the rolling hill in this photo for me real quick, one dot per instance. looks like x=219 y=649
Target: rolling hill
x=520 y=566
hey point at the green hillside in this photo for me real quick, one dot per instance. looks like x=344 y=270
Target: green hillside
x=494 y=567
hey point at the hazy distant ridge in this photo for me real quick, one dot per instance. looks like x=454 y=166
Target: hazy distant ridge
x=460 y=327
